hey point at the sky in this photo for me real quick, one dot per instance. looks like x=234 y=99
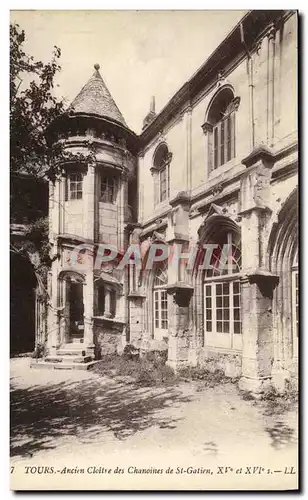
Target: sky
x=140 y=53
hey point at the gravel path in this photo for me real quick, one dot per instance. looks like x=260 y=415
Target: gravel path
x=72 y=417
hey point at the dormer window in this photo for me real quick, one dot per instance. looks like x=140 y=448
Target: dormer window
x=161 y=172
x=220 y=128
x=108 y=188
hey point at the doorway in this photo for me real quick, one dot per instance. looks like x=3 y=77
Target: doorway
x=75 y=297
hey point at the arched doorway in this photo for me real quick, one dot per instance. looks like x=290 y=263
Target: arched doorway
x=283 y=255
x=218 y=283
x=22 y=304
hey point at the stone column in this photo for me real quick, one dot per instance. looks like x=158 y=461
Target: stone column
x=178 y=289
x=53 y=314
x=271 y=84
x=122 y=201
x=54 y=206
x=187 y=146
x=62 y=181
x=107 y=312
x=89 y=203
x=88 y=303
x=257 y=282
x=178 y=324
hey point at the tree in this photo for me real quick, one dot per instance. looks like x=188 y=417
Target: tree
x=33 y=107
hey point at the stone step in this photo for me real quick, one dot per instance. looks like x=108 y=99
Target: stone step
x=75 y=359
x=67 y=359
x=69 y=352
x=62 y=366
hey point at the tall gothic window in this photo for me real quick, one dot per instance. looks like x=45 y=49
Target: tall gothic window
x=222 y=296
x=160 y=303
x=220 y=128
x=161 y=172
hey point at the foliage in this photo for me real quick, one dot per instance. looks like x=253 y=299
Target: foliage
x=209 y=376
x=276 y=403
x=142 y=371
x=151 y=370
x=39 y=351
x=37 y=236
x=33 y=107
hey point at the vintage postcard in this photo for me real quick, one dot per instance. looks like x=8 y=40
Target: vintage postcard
x=154 y=250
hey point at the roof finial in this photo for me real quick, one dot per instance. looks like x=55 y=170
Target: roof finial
x=96 y=66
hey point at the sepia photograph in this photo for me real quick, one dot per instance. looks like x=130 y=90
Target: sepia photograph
x=154 y=261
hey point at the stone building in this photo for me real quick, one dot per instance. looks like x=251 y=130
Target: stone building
x=217 y=165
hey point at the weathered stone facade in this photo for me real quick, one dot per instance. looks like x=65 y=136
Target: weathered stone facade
x=218 y=164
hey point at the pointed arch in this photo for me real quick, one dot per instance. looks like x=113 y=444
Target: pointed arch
x=219 y=101
x=217 y=303
x=283 y=261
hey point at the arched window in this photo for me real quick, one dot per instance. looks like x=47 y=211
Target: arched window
x=220 y=128
x=161 y=171
x=160 y=302
x=222 y=294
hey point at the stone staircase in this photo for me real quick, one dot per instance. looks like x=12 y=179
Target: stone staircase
x=70 y=356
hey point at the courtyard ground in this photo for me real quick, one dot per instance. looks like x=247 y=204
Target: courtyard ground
x=75 y=416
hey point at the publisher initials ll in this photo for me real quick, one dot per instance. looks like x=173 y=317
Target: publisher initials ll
x=289 y=470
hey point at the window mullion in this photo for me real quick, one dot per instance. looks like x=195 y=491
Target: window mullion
x=160 y=309
x=218 y=144
x=231 y=312
x=230 y=260
x=214 y=326
x=226 y=141
x=232 y=138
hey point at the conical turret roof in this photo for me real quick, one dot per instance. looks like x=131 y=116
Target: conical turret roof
x=95 y=99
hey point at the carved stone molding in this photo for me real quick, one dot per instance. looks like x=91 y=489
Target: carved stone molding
x=262 y=153
x=220 y=79
x=207 y=127
x=266 y=282
x=272 y=32
x=181 y=292
x=217 y=190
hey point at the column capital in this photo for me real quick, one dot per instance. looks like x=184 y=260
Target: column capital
x=91 y=168
x=181 y=292
x=265 y=280
x=207 y=127
x=260 y=154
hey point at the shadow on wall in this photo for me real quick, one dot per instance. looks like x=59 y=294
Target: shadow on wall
x=40 y=416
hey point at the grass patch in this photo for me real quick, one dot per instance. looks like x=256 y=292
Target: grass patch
x=272 y=402
x=142 y=371
x=207 y=374
x=151 y=370
x=276 y=403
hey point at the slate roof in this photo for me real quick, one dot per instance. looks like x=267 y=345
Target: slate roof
x=95 y=99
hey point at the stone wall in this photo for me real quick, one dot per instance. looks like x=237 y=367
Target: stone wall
x=108 y=337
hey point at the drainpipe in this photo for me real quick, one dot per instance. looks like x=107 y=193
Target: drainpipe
x=250 y=85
